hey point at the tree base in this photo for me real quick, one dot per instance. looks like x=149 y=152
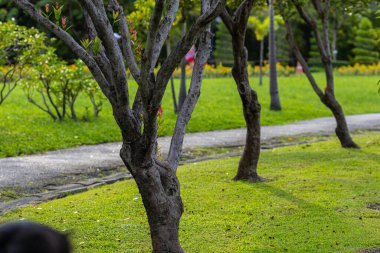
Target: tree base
x=251 y=179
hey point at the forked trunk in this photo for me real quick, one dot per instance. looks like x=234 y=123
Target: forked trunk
x=341 y=129
x=159 y=189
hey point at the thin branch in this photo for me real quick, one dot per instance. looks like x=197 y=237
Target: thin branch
x=103 y=28
x=154 y=24
x=164 y=29
x=187 y=109
x=297 y=52
x=312 y=23
x=126 y=41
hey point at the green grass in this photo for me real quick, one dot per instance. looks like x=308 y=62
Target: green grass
x=315 y=202
x=24 y=129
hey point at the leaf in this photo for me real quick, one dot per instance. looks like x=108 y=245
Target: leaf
x=96 y=46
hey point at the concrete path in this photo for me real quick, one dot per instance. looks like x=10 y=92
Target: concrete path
x=42 y=170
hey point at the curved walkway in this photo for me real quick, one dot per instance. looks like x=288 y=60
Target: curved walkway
x=42 y=170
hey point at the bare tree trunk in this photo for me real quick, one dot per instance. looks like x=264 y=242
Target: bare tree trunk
x=182 y=88
x=159 y=189
x=341 y=129
x=273 y=87
x=174 y=97
x=261 y=61
x=334 y=41
x=251 y=107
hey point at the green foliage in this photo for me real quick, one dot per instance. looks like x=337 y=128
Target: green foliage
x=261 y=27
x=26 y=129
x=365 y=43
x=49 y=79
x=316 y=201
x=18 y=45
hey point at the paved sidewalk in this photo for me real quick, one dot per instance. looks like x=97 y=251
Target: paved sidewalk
x=44 y=169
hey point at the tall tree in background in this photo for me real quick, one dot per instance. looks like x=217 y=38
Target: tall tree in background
x=261 y=29
x=327 y=97
x=275 y=104
x=365 y=43
x=237 y=26
x=182 y=86
x=156 y=179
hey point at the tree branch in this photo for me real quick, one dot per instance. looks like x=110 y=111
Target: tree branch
x=104 y=29
x=146 y=62
x=187 y=109
x=126 y=40
x=297 y=52
x=182 y=48
x=312 y=23
x=164 y=29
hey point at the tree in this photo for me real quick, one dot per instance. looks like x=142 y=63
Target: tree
x=327 y=97
x=273 y=87
x=237 y=26
x=365 y=43
x=18 y=45
x=261 y=30
x=156 y=179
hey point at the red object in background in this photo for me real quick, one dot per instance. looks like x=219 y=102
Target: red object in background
x=160 y=111
x=190 y=56
x=299 y=69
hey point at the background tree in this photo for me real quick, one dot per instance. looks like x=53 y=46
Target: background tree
x=261 y=29
x=18 y=46
x=156 y=180
x=273 y=83
x=365 y=43
x=237 y=26
x=327 y=96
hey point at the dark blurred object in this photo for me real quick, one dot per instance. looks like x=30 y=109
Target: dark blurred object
x=28 y=237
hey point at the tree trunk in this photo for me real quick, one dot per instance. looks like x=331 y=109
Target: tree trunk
x=251 y=108
x=248 y=162
x=182 y=88
x=261 y=61
x=174 y=97
x=159 y=189
x=72 y=110
x=341 y=129
x=273 y=87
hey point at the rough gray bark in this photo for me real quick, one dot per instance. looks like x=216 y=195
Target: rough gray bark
x=273 y=84
x=237 y=25
x=156 y=180
x=327 y=97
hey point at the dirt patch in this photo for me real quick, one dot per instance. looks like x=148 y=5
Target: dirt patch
x=370 y=251
x=374 y=206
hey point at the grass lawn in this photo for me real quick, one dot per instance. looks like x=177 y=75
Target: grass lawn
x=315 y=202
x=25 y=129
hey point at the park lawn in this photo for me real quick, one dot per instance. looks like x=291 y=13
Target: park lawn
x=316 y=201
x=25 y=129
